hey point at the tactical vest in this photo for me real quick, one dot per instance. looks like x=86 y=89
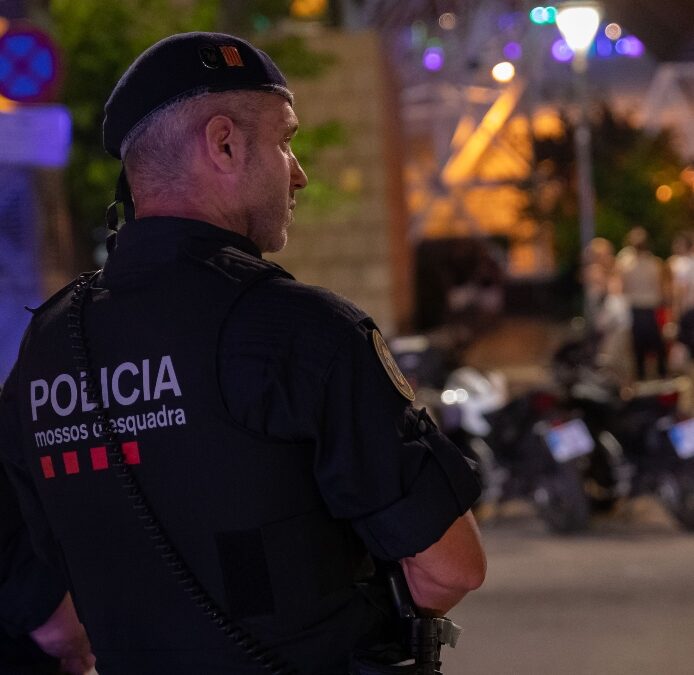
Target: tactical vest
x=244 y=511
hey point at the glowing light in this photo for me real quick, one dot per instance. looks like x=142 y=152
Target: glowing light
x=630 y=46
x=603 y=46
x=448 y=397
x=433 y=58
x=561 y=51
x=578 y=25
x=513 y=51
x=537 y=15
x=44 y=139
x=4 y=25
x=503 y=72
x=613 y=31
x=461 y=395
x=547 y=124
x=687 y=176
x=663 y=193
x=6 y=105
x=542 y=15
x=308 y=9
x=448 y=20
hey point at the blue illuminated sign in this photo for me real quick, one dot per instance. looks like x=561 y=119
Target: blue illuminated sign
x=19 y=272
x=35 y=136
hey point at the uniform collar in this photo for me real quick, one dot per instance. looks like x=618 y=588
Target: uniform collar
x=145 y=244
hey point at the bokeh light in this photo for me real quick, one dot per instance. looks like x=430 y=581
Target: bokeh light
x=513 y=51
x=613 y=31
x=503 y=72
x=433 y=58
x=541 y=15
x=603 y=46
x=6 y=105
x=448 y=21
x=629 y=46
x=561 y=51
x=308 y=9
x=663 y=193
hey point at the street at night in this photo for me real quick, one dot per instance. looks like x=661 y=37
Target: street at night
x=618 y=599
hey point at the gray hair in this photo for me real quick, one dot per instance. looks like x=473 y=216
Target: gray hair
x=156 y=151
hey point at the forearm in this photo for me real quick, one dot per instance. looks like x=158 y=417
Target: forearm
x=64 y=637
x=442 y=575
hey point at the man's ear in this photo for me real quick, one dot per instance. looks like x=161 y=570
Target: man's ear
x=223 y=143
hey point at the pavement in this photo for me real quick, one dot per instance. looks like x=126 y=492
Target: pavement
x=616 y=600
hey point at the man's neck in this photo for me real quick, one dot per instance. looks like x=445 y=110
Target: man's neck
x=187 y=210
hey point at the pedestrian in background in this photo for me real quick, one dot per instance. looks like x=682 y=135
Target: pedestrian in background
x=644 y=282
x=608 y=315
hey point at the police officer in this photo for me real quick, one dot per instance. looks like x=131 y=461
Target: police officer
x=195 y=427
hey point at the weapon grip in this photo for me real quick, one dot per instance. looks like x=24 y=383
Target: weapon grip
x=400 y=591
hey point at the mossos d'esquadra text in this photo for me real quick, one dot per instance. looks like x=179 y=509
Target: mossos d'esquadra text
x=151 y=386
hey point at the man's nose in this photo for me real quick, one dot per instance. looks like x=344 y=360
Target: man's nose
x=299 y=178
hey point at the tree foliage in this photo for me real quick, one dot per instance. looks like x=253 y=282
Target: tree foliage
x=628 y=166
x=99 y=39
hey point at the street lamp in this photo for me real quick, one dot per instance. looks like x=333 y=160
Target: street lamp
x=578 y=23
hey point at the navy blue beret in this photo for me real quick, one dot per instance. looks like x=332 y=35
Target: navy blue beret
x=184 y=65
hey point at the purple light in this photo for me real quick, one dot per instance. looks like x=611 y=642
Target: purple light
x=433 y=58
x=630 y=46
x=561 y=51
x=513 y=51
x=603 y=46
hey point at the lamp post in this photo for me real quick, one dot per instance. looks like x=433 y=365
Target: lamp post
x=578 y=23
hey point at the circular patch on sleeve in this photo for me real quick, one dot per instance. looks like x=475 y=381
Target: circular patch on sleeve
x=392 y=370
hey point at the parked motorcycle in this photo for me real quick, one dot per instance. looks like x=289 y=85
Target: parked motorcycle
x=644 y=444
x=526 y=446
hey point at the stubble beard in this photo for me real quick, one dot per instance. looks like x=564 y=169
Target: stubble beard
x=267 y=228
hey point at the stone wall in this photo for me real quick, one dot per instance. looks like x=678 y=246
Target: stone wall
x=357 y=247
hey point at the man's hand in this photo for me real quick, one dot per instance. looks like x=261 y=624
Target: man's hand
x=64 y=637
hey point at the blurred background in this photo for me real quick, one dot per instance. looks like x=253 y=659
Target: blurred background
x=475 y=174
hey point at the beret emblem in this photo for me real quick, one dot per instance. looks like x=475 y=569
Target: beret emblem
x=215 y=57
x=231 y=56
x=210 y=56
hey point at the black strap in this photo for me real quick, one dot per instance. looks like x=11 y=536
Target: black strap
x=173 y=560
x=124 y=197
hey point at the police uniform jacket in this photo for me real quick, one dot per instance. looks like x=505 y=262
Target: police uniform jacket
x=273 y=442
